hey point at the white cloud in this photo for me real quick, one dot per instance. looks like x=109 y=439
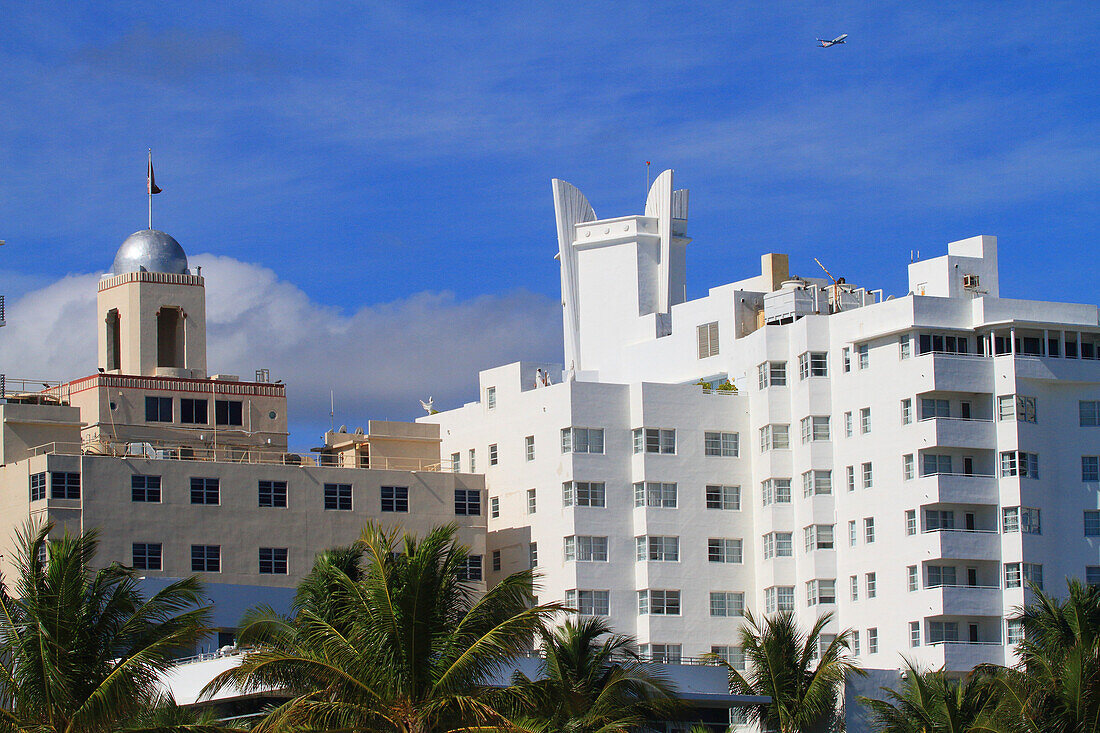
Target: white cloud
x=378 y=359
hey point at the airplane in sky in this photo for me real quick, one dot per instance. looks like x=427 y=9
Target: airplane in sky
x=826 y=44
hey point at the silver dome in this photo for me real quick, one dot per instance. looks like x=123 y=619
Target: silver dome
x=150 y=250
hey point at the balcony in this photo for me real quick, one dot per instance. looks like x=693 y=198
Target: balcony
x=1061 y=369
x=962 y=600
x=941 y=372
x=962 y=656
x=961 y=544
x=957 y=488
x=957 y=432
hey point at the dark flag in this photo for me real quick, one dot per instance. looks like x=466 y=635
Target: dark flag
x=153 y=188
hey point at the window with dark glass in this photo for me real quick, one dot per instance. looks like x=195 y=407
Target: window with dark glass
x=64 y=485
x=273 y=561
x=206 y=558
x=158 y=409
x=146 y=555
x=204 y=491
x=272 y=494
x=338 y=497
x=471 y=569
x=395 y=498
x=228 y=412
x=194 y=412
x=38 y=486
x=468 y=502
x=145 y=489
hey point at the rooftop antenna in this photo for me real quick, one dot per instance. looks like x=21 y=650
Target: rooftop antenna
x=151 y=186
x=836 y=284
x=331 y=411
x=647 y=178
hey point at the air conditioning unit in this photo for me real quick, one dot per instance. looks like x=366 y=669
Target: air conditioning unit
x=970 y=281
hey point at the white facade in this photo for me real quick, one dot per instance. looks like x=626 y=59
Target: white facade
x=906 y=420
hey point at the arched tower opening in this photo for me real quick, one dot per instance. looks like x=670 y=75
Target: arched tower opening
x=170 y=344
x=114 y=340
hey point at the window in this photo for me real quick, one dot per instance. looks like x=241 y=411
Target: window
x=659 y=602
x=775 y=491
x=778 y=544
x=1092 y=576
x=942 y=631
x=932 y=464
x=194 y=412
x=654 y=440
x=396 y=499
x=467 y=502
x=473 y=460
x=853 y=587
x=846 y=359
x=721 y=444
x=661 y=653
x=815 y=428
x=1017 y=574
x=64 y=485
x=868 y=476
x=1092 y=523
x=585 y=548
x=820 y=591
x=228 y=412
x=850 y=477
x=930 y=408
x=146 y=555
x=654 y=494
x=848 y=424
x=582 y=440
x=1024 y=519
x=813 y=364
x=939 y=344
x=937 y=519
x=872 y=584
x=494 y=507
x=724 y=497
x=272 y=494
x=734 y=656
x=818 y=537
x=872 y=641
x=471 y=569
x=529 y=447
x=779 y=598
x=1014 y=631
x=38 y=486
x=910 y=521
x=496 y=561
x=582 y=493
x=533 y=554
x=1018 y=407
x=1089 y=413
x=456 y=462
x=908 y=469
x=273 y=561
x=1019 y=463
x=727 y=603
x=941 y=575
x=708 y=339
x=206 y=558
x=864 y=420
x=774 y=437
x=868 y=529
x=864 y=356
x=724 y=550
x=1090 y=468
x=491 y=398
x=145 y=489
x=911 y=578
x=338 y=497
x=532 y=501
x=914 y=633
x=817 y=482
x=653 y=548
x=158 y=409
x=589 y=602
x=907 y=411
x=772 y=374
x=855 y=643
x=905 y=347
x=205 y=491
x=493 y=459
x=852 y=533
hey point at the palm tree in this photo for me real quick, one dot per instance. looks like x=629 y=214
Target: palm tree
x=406 y=648
x=781 y=666
x=933 y=701
x=1055 y=687
x=591 y=680
x=81 y=649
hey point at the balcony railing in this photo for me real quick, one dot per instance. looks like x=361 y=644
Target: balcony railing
x=958 y=529
x=963 y=643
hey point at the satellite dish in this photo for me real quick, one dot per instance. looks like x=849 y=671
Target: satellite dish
x=343 y=429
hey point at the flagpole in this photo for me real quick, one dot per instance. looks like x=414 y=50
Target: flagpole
x=149 y=188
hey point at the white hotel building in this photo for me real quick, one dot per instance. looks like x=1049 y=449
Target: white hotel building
x=907 y=463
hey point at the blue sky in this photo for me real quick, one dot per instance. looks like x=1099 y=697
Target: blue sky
x=390 y=164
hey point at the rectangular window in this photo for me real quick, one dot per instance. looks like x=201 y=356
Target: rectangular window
x=846 y=359
x=930 y=408
x=1092 y=576
x=158 y=409
x=1019 y=463
x=585 y=548
x=850 y=477
x=908 y=468
x=493 y=459
x=932 y=464
x=937 y=519
x=872 y=584
x=853 y=587
x=721 y=444
x=491 y=398
x=848 y=424
x=589 y=602
x=864 y=353
x=338 y=497
x=772 y=374
x=942 y=631
x=815 y=427
x=529 y=447
x=774 y=437
x=864 y=420
x=708 y=339
x=775 y=491
x=813 y=364
x=1089 y=411
x=661 y=653
x=868 y=476
x=456 y=462
x=228 y=412
x=206 y=558
x=473 y=460
x=396 y=499
x=724 y=497
x=910 y=521
x=855 y=643
x=38 y=486
x=533 y=554
x=734 y=656
x=272 y=494
x=724 y=550
x=653 y=548
x=273 y=561
x=532 y=501
x=494 y=507
x=820 y=591
x=1092 y=523
x=1090 y=468
x=655 y=494
x=64 y=485
x=778 y=544
x=817 y=482
x=911 y=578
x=914 y=633
x=779 y=598
x=205 y=491
x=818 y=537
x=941 y=575
x=905 y=347
x=659 y=602
x=1024 y=519
x=472 y=569
x=467 y=502
x=1019 y=574
x=727 y=603
x=868 y=529
x=906 y=411
x=583 y=493
x=872 y=641
x=940 y=344
x=654 y=440
x=194 y=412
x=582 y=440
x=146 y=555
x=1014 y=631
x=853 y=534
x=145 y=489
x=496 y=561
